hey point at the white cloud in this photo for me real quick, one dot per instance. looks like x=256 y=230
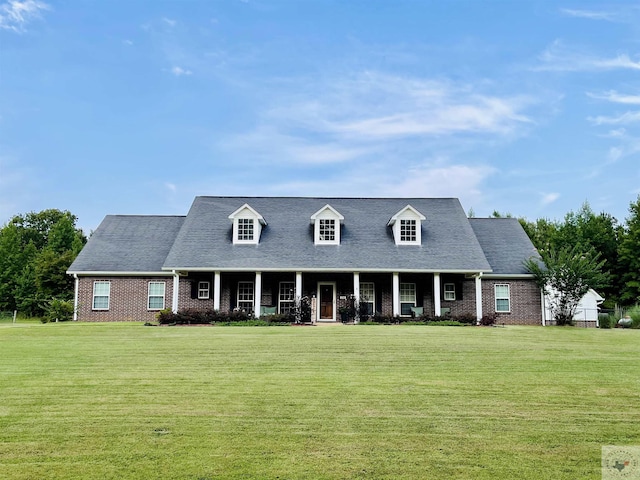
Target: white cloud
x=558 y=57
x=615 y=97
x=170 y=186
x=179 y=71
x=170 y=22
x=549 y=198
x=589 y=14
x=15 y=14
x=624 y=119
x=373 y=106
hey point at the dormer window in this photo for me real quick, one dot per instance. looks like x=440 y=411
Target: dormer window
x=406 y=226
x=247 y=225
x=326 y=222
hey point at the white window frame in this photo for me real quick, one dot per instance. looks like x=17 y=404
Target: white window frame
x=403 y=223
x=324 y=217
x=368 y=295
x=245 y=295
x=449 y=292
x=106 y=295
x=246 y=216
x=408 y=230
x=245 y=230
x=156 y=295
x=286 y=297
x=407 y=296
x=503 y=297
x=204 y=290
x=327 y=230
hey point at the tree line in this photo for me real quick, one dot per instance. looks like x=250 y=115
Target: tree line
x=611 y=248
x=37 y=248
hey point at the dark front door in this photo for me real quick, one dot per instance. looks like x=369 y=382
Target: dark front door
x=326 y=301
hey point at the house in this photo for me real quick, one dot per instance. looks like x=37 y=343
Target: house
x=399 y=256
x=586 y=313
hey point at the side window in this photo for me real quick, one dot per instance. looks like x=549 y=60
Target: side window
x=245 y=296
x=156 y=296
x=101 y=294
x=503 y=298
x=449 y=292
x=203 y=290
x=407 y=298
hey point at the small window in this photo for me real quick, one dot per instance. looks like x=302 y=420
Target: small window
x=203 y=290
x=407 y=298
x=449 y=292
x=156 y=296
x=245 y=229
x=101 y=294
x=286 y=297
x=408 y=231
x=327 y=230
x=368 y=297
x=503 y=298
x=245 y=296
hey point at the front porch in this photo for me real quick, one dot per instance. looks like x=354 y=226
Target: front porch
x=403 y=294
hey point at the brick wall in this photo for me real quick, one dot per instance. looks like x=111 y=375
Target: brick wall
x=127 y=302
x=526 y=302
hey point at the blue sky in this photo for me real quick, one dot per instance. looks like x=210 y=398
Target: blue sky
x=135 y=107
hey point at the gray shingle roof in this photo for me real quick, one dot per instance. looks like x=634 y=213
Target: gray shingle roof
x=124 y=243
x=448 y=241
x=505 y=243
x=203 y=239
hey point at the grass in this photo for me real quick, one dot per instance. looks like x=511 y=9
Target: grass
x=123 y=401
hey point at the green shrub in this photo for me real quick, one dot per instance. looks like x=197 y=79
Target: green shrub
x=606 y=320
x=634 y=313
x=465 y=318
x=489 y=319
x=58 y=311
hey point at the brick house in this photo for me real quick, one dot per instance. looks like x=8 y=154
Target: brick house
x=398 y=256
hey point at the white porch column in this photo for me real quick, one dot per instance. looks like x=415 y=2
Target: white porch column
x=436 y=294
x=298 y=292
x=257 y=295
x=216 y=291
x=356 y=294
x=176 y=291
x=479 y=297
x=396 y=294
x=75 y=297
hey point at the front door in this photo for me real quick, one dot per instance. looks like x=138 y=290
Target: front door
x=326 y=312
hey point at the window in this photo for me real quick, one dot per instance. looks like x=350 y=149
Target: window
x=449 y=292
x=245 y=229
x=156 y=296
x=286 y=297
x=407 y=226
x=326 y=226
x=327 y=230
x=407 y=298
x=245 y=296
x=367 y=297
x=247 y=225
x=408 y=231
x=101 y=294
x=503 y=298
x=203 y=290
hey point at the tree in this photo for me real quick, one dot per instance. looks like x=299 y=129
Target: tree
x=565 y=277
x=629 y=257
x=36 y=249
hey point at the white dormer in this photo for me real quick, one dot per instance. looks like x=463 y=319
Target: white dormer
x=247 y=225
x=407 y=226
x=326 y=222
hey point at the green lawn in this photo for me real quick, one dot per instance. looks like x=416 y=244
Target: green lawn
x=118 y=401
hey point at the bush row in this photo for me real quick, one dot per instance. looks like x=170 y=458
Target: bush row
x=207 y=317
